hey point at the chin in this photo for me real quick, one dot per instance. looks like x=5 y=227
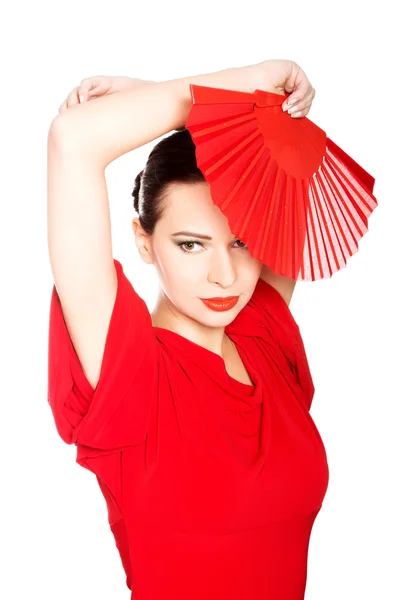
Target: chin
x=221 y=318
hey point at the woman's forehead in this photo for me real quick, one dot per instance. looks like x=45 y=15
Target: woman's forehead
x=194 y=212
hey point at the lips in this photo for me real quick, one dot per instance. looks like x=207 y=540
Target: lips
x=221 y=304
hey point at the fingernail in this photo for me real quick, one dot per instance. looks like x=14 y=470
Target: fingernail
x=284 y=107
x=81 y=99
x=291 y=101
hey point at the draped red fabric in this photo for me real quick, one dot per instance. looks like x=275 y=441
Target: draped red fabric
x=212 y=485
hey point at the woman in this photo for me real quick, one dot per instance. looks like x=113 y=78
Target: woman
x=195 y=418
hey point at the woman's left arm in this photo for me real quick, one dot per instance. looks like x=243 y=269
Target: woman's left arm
x=280 y=77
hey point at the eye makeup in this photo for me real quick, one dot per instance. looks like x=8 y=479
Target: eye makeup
x=186 y=242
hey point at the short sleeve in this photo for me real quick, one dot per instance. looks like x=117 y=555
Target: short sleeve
x=116 y=413
x=268 y=317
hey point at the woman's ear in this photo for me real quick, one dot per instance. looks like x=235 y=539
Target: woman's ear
x=143 y=242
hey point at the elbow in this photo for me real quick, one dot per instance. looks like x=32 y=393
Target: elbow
x=61 y=132
x=56 y=127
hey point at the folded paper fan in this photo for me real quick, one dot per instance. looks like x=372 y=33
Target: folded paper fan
x=299 y=202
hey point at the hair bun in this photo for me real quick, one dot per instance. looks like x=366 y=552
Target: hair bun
x=136 y=190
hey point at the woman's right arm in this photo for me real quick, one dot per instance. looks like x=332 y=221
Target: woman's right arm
x=99 y=325
x=113 y=125
x=82 y=141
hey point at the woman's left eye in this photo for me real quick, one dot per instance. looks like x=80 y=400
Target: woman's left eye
x=244 y=245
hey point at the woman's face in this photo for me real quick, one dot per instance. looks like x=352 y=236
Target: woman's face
x=191 y=267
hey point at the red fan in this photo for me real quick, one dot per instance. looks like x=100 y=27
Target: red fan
x=292 y=195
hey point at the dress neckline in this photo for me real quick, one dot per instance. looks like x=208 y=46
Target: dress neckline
x=212 y=358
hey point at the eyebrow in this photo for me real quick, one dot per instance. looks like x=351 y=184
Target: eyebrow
x=192 y=234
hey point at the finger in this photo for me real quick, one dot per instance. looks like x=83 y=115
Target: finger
x=72 y=98
x=297 y=84
x=297 y=97
x=90 y=86
x=76 y=96
x=300 y=112
x=66 y=104
x=299 y=102
x=302 y=84
x=302 y=106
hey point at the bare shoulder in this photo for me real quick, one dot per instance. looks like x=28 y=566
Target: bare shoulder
x=284 y=285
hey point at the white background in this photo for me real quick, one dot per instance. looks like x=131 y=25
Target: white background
x=54 y=538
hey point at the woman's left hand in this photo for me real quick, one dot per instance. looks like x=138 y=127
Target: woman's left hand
x=286 y=76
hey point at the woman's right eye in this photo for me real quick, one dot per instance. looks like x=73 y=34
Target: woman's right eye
x=182 y=244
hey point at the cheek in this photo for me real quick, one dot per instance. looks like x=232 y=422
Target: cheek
x=177 y=271
x=250 y=267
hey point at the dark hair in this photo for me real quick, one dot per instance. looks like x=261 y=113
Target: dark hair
x=172 y=160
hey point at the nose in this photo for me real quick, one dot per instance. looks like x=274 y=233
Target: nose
x=222 y=269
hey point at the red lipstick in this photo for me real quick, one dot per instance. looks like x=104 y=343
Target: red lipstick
x=220 y=304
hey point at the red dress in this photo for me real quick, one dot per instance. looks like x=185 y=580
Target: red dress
x=212 y=485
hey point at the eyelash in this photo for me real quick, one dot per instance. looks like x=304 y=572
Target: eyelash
x=181 y=244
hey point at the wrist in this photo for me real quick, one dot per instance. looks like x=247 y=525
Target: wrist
x=274 y=71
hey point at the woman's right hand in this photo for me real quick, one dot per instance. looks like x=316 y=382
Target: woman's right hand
x=100 y=85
